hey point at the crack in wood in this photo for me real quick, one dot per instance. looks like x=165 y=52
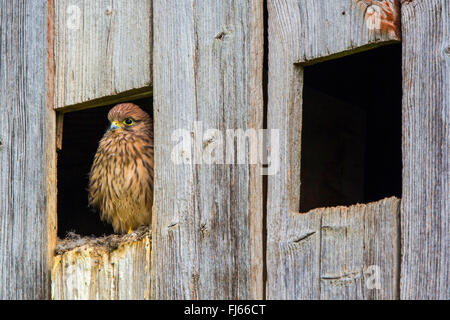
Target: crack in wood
x=345 y=276
x=306 y=236
x=172 y=225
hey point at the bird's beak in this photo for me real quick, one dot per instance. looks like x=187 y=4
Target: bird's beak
x=115 y=125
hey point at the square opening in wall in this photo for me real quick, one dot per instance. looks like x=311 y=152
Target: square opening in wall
x=351 y=129
x=82 y=132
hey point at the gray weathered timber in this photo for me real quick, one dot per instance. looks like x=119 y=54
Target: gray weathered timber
x=96 y=273
x=341 y=253
x=26 y=162
x=426 y=145
x=207 y=222
x=102 y=51
x=326 y=28
x=360 y=251
x=304 y=32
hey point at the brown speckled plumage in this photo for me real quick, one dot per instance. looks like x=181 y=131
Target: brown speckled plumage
x=121 y=177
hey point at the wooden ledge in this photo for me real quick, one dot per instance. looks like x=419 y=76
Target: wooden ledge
x=106 y=268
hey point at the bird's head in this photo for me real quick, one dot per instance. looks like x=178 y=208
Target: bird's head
x=128 y=117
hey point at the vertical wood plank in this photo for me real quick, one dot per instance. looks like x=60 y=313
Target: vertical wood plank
x=328 y=29
x=426 y=143
x=300 y=33
x=360 y=248
x=342 y=250
x=92 y=271
x=207 y=222
x=341 y=253
x=25 y=142
x=102 y=50
x=294 y=253
x=336 y=28
x=51 y=134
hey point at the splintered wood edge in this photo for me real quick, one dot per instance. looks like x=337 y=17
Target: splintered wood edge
x=104 y=268
x=320 y=210
x=109 y=243
x=345 y=53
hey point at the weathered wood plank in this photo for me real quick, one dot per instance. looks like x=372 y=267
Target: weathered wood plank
x=102 y=50
x=302 y=32
x=293 y=259
x=27 y=152
x=323 y=29
x=426 y=143
x=341 y=253
x=360 y=250
x=51 y=135
x=207 y=222
x=94 y=271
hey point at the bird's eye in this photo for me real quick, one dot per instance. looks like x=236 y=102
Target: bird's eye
x=128 y=121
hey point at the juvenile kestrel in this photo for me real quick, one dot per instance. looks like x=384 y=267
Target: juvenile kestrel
x=121 y=177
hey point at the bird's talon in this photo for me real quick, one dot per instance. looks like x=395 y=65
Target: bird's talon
x=129 y=230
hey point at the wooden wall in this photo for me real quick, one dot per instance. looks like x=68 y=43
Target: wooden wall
x=301 y=33
x=107 y=268
x=102 y=55
x=207 y=224
x=426 y=144
x=103 y=51
x=203 y=62
x=27 y=162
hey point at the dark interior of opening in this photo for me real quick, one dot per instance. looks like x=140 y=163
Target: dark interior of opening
x=82 y=131
x=351 y=129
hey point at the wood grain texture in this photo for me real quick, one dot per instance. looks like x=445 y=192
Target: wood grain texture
x=359 y=244
x=51 y=136
x=96 y=273
x=341 y=253
x=26 y=134
x=102 y=50
x=207 y=221
x=324 y=29
x=426 y=143
x=301 y=32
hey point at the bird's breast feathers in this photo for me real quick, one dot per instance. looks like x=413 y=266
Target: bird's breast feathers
x=121 y=180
